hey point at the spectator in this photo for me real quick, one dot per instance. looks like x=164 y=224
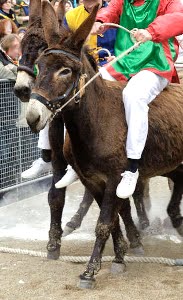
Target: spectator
x=80 y=2
x=6 y=27
x=22 y=11
x=68 y=6
x=6 y=12
x=9 y=56
x=21 y=32
x=74 y=19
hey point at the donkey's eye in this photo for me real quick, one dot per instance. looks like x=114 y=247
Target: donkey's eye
x=65 y=72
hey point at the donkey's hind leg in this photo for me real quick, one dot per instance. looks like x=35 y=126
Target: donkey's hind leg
x=77 y=219
x=139 y=198
x=174 y=204
x=120 y=248
x=131 y=230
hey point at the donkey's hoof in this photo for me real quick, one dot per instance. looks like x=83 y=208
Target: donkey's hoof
x=67 y=230
x=118 y=268
x=180 y=229
x=54 y=255
x=87 y=283
x=138 y=251
x=143 y=225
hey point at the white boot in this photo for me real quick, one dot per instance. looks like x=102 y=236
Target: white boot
x=39 y=167
x=67 y=179
x=127 y=185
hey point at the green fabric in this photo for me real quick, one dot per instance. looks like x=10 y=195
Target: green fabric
x=35 y=70
x=149 y=55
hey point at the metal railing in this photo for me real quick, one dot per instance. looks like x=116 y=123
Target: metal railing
x=18 y=146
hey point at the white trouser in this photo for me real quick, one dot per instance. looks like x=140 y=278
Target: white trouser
x=43 y=141
x=139 y=92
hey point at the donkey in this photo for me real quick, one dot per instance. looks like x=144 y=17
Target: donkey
x=32 y=44
x=98 y=155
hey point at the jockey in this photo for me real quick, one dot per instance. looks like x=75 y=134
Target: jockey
x=74 y=18
x=148 y=69
x=179 y=61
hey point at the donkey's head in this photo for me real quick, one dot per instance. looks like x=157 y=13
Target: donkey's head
x=59 y=67
x=33 y=43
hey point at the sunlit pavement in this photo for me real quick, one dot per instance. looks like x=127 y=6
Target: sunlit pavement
x=29 y=219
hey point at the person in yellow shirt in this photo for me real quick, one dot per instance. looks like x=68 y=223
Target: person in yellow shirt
x=75 y=17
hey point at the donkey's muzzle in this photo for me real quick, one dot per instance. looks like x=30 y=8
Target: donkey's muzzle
x=23 y=93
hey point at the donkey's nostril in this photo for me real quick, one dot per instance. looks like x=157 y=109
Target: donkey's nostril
x=23 y=93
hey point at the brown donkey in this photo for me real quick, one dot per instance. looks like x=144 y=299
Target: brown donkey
x=33 y=43
x=97 y=130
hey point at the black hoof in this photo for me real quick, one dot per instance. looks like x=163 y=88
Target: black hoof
x=118 y=268
x=67 y=230
x=53 y=253
x=180 y=230
x=87 y=283
x=143 y=225
x=138 y=251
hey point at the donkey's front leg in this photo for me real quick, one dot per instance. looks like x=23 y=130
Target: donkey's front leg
x=105 y=225
x=56 y=197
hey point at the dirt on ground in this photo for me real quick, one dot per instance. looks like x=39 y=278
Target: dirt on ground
x=32 y=278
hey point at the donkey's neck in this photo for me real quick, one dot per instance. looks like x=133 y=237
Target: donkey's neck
x=87 y=122
x=82 y=119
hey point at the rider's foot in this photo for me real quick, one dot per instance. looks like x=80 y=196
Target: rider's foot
x=67 y=179
x=127 y=185
x=38 y=168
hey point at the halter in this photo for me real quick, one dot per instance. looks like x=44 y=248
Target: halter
x=56 y=103
x=27 y=70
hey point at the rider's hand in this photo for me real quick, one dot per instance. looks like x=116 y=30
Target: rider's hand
x=109 y=58
x=142 y=35
x=98 y=28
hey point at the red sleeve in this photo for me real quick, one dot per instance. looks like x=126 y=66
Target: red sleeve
x=170 y=23
x=111 y=13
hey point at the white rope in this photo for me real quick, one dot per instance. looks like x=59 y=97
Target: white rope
x=84 y=259
x=136 y=45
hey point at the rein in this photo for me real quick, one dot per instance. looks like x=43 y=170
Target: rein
x=54 y=105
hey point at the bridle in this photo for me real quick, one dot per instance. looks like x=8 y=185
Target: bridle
x=27 y=70
x=24 y=68
x=57 y=102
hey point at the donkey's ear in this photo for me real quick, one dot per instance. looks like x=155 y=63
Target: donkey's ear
x=80 y=35
x=61 y=11
x=34 y=10
x=50 y=23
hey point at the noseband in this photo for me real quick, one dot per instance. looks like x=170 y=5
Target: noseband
x=27 y=70
x=56 y=103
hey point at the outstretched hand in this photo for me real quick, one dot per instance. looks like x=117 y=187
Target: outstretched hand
x=98 y=28
x=141 y=35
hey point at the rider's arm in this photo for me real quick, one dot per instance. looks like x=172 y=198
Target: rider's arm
x=111 y=13
x=169 y=24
